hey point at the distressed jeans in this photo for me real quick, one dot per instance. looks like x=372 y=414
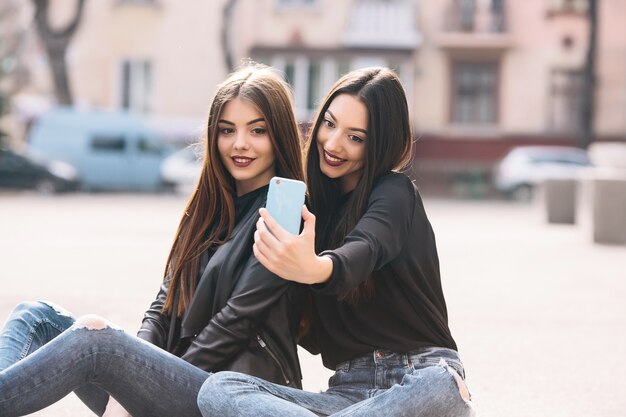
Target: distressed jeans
x=424 y=383
x=45 y=354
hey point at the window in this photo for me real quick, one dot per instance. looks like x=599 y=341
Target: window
x=108 y=144
x=566 y=91
x=290 y=73
x=11 y=160
x=148 y=146
x=146 y=2
x=343 y=67
x=136 y=86
x=474 y=93
x=314 y=85
x=476 y=16
x=467 y=10
x=569 y=6
x=497 y=16
x=305 y=76
x=311 y=76
x=292 y=3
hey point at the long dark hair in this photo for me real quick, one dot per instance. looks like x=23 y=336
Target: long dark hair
x=388 y=143
x=209 y=218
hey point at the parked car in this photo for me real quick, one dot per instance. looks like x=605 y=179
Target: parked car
x=110 y=150
x=524 y=167
x=180 y=170
x=24 y=171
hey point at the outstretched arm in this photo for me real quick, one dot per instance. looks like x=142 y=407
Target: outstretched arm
x=377 y=238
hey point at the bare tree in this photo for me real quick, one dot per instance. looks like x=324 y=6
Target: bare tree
x=13 y=72
x=227 y=14
x=589 y=79
x=56 y=42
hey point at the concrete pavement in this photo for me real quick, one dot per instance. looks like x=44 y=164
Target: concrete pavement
x=537 y=310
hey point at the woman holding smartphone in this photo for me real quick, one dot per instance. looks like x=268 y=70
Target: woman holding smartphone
x=218 y=307
x=369 y=256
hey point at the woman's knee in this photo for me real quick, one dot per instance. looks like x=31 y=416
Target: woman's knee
x=95 y=324
x=39 y=310
x=95 y=334
x=219 y=389
x=218 y=383
x=439 y=388
x=211 y=395
x=91 y=322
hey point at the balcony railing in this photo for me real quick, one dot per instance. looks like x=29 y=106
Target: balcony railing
x=476 y=16
x=382 y=23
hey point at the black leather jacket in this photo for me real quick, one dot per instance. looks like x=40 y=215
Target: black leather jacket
x=241 y=318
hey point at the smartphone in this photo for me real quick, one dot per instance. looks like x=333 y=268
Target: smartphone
x=284 y=202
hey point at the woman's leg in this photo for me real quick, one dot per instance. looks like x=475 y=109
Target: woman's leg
x=31 y=325
x=234 y=394
x=146 y=380
x=434 y=391
x=381 y=383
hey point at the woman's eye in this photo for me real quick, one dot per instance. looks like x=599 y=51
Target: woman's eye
x=328 y=123
x=226 y=130
x=259 y=131
x=355 y=139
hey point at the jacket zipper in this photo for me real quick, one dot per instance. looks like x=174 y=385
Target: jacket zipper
x=269 y=351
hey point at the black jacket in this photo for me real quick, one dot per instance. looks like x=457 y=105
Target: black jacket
x=241 y=318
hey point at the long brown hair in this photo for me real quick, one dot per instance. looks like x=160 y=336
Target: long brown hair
x=209 y=218
x=388 y=148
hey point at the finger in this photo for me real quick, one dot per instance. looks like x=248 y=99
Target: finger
x=262 y=246
x=309 y=221
x=278 y=231
x=261 y=258
x=265 y=235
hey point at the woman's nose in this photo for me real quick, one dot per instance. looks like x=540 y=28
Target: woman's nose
x=241 y=141
x=333 y=141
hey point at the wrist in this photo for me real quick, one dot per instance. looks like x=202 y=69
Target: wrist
x=324 y=270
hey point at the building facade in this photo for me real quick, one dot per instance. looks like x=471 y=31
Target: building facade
x=480 y=75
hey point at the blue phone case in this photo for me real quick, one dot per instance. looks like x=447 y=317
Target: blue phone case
x=284 y=202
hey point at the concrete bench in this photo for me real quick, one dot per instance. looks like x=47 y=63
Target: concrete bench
x=608 y=187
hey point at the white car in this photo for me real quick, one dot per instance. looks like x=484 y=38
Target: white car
x=181 y=170
x=524 y=167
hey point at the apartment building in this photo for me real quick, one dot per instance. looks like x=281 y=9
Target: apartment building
x=480 y=75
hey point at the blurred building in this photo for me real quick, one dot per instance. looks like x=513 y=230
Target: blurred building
x=481 y=75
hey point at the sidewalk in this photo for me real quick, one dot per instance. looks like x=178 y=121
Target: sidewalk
x=537 y=310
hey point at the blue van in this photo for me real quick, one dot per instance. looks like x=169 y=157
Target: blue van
x=110 y=150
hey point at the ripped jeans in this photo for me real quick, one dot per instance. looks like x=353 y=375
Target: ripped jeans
x=45 y=354
x=424 y=383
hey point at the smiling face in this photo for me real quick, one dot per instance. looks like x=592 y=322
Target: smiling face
x=341 y=140
x=245 y=146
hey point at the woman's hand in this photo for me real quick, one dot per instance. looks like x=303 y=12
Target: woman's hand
x=291 y=257
x=114 y=409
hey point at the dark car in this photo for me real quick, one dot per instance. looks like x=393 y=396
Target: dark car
x=24 y=171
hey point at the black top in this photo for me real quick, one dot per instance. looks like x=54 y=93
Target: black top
x=395 y=244
x=243 y=203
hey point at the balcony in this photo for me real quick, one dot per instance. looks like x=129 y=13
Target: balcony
x=388 y=24
x=475 y=24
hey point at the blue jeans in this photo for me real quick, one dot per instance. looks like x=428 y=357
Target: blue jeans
x=45 y=354
x=425 y=383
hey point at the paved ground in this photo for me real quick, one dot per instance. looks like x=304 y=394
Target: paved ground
x=537 y=310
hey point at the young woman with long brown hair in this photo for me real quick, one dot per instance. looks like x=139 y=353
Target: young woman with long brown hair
x=218 y=307
x=370 y=258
